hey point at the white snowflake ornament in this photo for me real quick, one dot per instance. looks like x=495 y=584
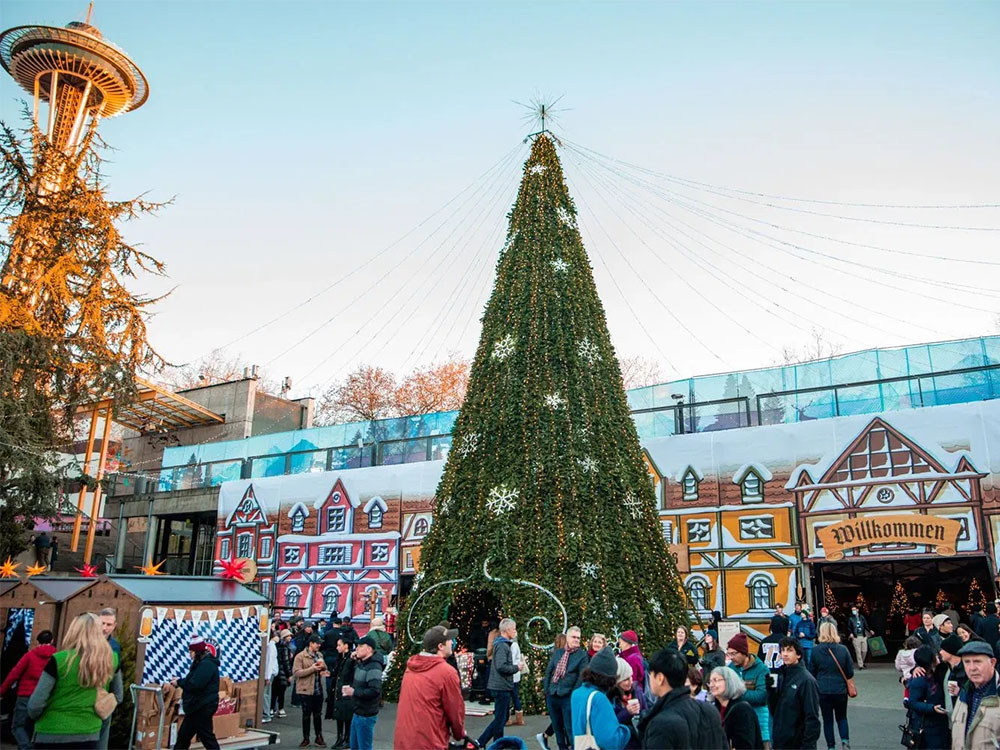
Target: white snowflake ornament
x=510 y=241
x=565 y=217
x=657 y=608
x=589 y=569
x=588 y=464
x=468 y=444
x=444 y=504
x=501 y=499
x=588 y=351
x=559 y=265
x=537 y=169
x=633 y=504
x=555 y=401
x=503 y=348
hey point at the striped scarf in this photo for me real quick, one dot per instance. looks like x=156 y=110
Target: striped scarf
x=562 y=663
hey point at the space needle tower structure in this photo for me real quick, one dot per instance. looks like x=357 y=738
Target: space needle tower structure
x=79 y=75
x=75 y=78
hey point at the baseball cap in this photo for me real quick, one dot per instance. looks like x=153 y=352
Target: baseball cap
x=436 y=636
x=368 y=641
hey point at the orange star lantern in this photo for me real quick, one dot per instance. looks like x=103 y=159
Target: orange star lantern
x=9 y=569
x=35 y=570
x=151 y=570
x=87 y=571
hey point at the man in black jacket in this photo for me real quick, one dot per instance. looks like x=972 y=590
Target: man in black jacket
x=200 y=697
x=501 y=682
x=562 y=677
x=366 y=690
x=677 y=721
x=794 y=702
x=988 y=628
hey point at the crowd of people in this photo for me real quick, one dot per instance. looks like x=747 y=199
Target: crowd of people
x=66 y=693
x=950 y=682
x=335 y=675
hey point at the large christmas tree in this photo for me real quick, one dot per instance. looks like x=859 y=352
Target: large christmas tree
x=545 y=502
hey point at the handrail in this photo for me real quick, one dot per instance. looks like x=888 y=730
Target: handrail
x=158 y=692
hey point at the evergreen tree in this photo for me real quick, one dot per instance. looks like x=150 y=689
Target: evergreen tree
x=545 y=482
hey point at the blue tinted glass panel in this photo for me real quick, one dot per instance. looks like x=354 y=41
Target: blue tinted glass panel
x=268 y=467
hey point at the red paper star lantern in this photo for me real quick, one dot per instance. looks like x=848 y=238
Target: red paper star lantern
x=233 y=570
x=87 y=571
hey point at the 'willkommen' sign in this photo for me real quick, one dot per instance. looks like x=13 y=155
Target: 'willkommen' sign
x=911 y=528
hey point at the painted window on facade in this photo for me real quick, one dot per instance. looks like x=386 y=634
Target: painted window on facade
x=699 y=530
x=265 y=588
x=375 y=517
x=421 y=527
x=298 y=520
x=292 y=597
x=668 y=531
x=244 y=544
x=265 y=547
x=752 y=488
x=380 y=553
x=331 y=598
x=761 y=592
x=689 y=483
x=224 y=549
x=293 y=555
x=378 y=599
x=698 y=593
x=759 y=527
x=336 y=519
x=335 y=554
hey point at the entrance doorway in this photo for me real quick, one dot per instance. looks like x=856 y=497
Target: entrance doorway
x=187 y=544
x=924 y=581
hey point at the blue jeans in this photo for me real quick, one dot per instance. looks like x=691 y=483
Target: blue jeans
x=363 y=732
x=501 y=709
x=22 y=726
x=517 y=696
x=562 y=719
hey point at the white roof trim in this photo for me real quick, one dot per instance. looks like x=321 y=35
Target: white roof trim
x=297 y=506
x=693 y=469
x=758 y=469
x=375 y=501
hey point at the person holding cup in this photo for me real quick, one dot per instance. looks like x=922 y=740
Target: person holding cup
x=629 y=700
x=310 y=670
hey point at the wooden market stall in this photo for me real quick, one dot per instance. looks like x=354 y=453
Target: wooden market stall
x=163 y=612
x=36 y=604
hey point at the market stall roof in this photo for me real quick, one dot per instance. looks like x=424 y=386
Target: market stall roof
x=155 y=409
x=6 y=586
x=61 y=589
x=167 y=589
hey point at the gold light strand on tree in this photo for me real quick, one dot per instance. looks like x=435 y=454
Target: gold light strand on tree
x=900 y=601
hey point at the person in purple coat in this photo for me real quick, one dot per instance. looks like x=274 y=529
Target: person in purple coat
x=628 y=645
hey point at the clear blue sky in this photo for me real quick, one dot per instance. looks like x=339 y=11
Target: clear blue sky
x=301 y=138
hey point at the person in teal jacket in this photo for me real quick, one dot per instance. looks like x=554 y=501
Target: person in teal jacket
x=599 y=678
x=754 y=674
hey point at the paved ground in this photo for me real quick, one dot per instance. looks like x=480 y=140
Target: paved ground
x=873 y=716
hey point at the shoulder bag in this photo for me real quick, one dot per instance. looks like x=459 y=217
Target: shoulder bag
x=586 y=741
x=912 y=737
x=852 y=691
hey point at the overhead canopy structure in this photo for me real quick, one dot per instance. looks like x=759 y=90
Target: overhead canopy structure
x=155 y=409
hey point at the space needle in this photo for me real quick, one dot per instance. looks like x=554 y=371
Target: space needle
x=76 y=72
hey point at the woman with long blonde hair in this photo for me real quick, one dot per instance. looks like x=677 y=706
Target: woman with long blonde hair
x=63 y=704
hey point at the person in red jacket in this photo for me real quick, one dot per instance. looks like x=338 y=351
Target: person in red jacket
x=26 y=673
x=430 y=698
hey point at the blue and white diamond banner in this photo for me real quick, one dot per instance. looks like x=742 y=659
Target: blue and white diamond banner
x=19 y=616
x=167 y=655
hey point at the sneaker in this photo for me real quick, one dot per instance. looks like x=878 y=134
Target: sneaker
x=265 y=719
x=304 y=743
x=281 y=713
x=542 y=740
x=319 y=741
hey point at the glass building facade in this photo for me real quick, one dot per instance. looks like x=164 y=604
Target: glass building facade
x=866 y=382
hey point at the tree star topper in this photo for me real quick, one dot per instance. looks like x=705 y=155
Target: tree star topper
x=36 y=570
x=9 y=568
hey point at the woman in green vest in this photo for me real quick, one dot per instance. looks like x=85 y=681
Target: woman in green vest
x=65 y=702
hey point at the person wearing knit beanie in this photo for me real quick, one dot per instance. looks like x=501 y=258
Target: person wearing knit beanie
x=739 y=644
x=590 y=706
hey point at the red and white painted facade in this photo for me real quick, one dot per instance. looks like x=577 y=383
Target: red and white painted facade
x=324 y=542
